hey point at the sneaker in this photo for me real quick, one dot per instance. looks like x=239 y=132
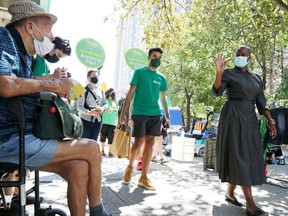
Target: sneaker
x=145 y=182
x=127 y=175
x=139 y=165
x=103 y=153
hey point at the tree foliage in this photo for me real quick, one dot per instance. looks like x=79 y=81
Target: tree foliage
x=192 y=33
x=282 y=90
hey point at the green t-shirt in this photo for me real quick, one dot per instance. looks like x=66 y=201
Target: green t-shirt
x=148 y=84
x=110 y=115
x=41 y=68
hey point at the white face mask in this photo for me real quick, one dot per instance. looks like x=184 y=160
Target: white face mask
x=42 y=47
x=241 y=61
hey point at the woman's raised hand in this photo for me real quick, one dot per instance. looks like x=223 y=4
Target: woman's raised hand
x=220 y=63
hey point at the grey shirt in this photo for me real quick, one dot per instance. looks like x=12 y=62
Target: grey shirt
x=101 y=102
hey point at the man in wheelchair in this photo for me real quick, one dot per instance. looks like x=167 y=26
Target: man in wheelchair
x=77 y=161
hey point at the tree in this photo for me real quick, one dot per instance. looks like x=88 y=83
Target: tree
x=283 y=5
x=192 y=34
x=282 y=90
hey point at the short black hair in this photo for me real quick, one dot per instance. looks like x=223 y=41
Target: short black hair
x=62 y=45
x=154 y=49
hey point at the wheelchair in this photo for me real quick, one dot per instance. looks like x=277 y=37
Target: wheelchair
x=274 y=146
x=15 y=107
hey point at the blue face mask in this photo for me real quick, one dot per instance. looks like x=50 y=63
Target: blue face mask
x=241 y=61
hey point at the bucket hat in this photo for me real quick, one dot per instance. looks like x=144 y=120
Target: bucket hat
x=24 y=9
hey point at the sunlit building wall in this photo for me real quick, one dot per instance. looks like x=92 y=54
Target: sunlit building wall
x=130 y=36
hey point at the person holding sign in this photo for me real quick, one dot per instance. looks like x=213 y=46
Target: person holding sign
x=91 y=106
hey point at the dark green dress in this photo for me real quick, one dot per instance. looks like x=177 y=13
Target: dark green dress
x=239 y=152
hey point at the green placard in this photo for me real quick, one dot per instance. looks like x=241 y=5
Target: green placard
x=90 y=53
x=136 y=58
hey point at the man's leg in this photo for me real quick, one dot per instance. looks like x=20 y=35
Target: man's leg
x=147 y=153
x=75 y=172
x=79 y=163
x=138 y=142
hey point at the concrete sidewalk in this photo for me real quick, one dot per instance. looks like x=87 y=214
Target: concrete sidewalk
x=181 y=189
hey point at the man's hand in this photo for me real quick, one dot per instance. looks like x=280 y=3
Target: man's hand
x=167 y=123
x=60 y=73
x=62 y=87
x=122 y=120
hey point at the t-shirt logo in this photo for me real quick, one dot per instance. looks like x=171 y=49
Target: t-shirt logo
x=156 y=82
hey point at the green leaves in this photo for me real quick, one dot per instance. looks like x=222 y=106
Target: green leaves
x=192 y=34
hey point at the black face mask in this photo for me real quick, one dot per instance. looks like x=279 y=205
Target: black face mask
x=113 y=96
x=155 y=62
x=94 y=80
x=51 y=59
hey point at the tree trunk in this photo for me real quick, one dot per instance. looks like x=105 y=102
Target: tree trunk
x=281 y=4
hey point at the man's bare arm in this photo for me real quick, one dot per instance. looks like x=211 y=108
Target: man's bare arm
x=126 y=104
x=14 y=86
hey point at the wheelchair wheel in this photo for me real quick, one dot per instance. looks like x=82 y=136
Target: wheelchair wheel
x=51 y=212
x=55 y=212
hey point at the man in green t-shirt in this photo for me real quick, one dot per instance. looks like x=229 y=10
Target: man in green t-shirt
x=146 y=87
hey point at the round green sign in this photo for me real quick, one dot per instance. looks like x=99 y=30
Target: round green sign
x=136 y=58
x=90 y=53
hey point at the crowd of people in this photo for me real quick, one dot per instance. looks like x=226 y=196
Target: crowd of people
x=27 y=42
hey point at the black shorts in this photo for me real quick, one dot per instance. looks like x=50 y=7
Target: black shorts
x=146 y=125
x=107 y=132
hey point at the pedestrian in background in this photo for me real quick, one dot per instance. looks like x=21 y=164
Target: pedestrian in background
x=146 y=87
x=109 y=121
x=158 y=146
x=91 y=106
x=239 y=152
